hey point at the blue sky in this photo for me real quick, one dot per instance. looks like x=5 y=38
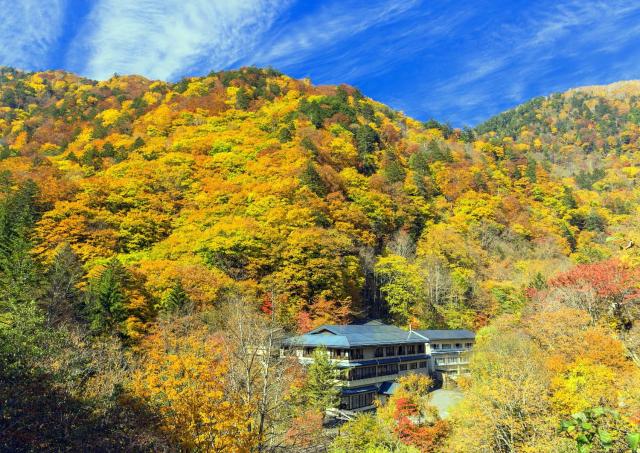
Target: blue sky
x=456 y=61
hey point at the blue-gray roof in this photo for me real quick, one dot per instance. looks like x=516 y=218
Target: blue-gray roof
x=388 y=387
x=348 y=336
x=450 y=334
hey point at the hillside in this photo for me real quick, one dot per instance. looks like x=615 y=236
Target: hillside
x=127 y=200
x=251 y=178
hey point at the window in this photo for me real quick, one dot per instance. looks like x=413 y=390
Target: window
x=413 y=365
x=308 y=352
x=389 y=351
x=379 y=352
x=421 y=349
x=403 y=367
x=356 y=354
x=400 y=350
x=362 y=373
x=468 y=345
x=422 y=365
x=411 y=349
x=435 y=346
x=446 y=346
x=358 y=401
x=385 y=370
x=458 y=345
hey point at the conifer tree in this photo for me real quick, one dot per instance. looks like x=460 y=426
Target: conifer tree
x=320 y=391
x=176 y=298
x=63 y=276
x=311 y=178
x=106 y=301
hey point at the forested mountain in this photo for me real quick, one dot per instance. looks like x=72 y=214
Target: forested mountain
x=134 y=212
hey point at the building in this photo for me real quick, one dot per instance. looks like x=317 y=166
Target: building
x=374 y=355
x=448 y=350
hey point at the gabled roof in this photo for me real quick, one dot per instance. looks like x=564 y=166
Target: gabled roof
x=352 y=335
x=444 y=334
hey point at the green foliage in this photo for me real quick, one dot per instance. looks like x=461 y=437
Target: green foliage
x=601 y=429
x=242 y=99
x=106 y=300
x=63 y=277
x=285 y=135
x=311 y=178
x=367 y=434
x=585 y=180
x=320 y=391
x=401 y=286
x=175 y=299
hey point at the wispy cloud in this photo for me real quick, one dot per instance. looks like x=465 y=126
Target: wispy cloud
x=345 y=40
x=28 y=30
x=327 y=27
x=551 y=48
x=168 y=39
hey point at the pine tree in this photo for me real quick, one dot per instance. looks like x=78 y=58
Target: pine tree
x=106 y=300
x=285 y=135
x=19 y=273
x=242 y=99
x=62 y=293
x=175 y=299
x=311 y=178
x=531 y=170
x=321 y=392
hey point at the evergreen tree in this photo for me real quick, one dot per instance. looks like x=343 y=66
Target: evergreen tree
x=320 y=392
x=366 y=140
x=63 y=276
x=242 y=99
x=311 y=178
x=19 y=273
x=106 y=300
x=531 y=170
x=175 y=299
x=285 y=135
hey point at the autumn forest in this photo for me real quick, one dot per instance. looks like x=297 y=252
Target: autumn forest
x=155 y=235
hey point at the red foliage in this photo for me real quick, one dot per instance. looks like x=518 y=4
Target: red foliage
x=304 y=322
x=405 y=407
x=610 y=279
x=425 y=437
x=267 y=305
x=305 y=430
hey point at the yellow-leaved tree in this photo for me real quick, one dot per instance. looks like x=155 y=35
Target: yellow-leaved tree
x=182 y=377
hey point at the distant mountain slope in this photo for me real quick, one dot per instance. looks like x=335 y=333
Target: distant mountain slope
x=320 y=201
x=603 y=119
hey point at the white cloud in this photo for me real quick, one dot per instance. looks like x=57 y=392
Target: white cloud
x=165 y=39
x=344 y=41
x=520 y=58
x=28 y=30
x=326 y=27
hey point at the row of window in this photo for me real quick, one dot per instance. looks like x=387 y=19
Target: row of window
x=357 y=401
x=383 y=370
x=451 y=346
x=390 y=351
x=450 y=360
